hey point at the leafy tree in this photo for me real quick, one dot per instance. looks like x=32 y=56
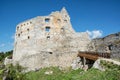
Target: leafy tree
x=3 y=55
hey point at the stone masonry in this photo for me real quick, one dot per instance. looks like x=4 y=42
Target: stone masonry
x=46 y=41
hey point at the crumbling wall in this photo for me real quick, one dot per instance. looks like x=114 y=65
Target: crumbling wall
x=47 y=59
x=39 y=40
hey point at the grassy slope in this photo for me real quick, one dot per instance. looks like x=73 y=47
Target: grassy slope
x=69 y=74
x=91 y=74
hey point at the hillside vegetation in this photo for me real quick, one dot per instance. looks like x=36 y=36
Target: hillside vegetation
x=3 y=55
x=15 y=73
x=11 y=72
x=91 y=74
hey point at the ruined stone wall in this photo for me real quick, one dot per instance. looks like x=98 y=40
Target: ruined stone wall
x=109 y=44
x=39 y=40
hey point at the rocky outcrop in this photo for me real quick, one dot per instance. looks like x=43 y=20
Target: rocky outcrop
x=98 y=64
x=109 y=44
x=7 y=61
x=78 y=64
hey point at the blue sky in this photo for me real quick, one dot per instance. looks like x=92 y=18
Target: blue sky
x=100 y=17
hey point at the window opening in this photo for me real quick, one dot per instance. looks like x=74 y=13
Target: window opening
x=18 y=35
x=65 y=20
x=28 y=37
x=50 y=53
x=62 y=29
x=27 y=29
x=65 y=15
x=110 y=47
x=47 y=20
x=58 y=20
x=18 y=28
x=48 y=37
x=47 y=29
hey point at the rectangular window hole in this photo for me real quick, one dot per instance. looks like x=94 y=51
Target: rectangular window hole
x=47 y=19
x=17 y=27
x=28 y=37
x=50 y=52
x=48 y=37
x=58 y=20
x=65 y=21
x=27 y=29
x=47 y=29
x=62 y=29
x=18 y=35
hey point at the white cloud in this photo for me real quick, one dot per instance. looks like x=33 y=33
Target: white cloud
x=95 y=33
x=2 y=45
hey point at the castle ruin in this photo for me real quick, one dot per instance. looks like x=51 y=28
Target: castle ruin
x=46 y=41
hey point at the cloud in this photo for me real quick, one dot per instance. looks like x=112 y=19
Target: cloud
x=95 y=33
x=2 y=45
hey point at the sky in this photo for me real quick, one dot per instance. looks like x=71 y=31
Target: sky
x=98 y=18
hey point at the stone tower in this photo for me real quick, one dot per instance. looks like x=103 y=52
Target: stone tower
x=46 y=41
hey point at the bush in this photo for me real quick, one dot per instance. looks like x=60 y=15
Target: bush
x=3 y=55
x=13 y=72
x=109 y=65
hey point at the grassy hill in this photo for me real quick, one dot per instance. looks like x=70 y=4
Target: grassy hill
x=54 y=73
x=91 y=74
x=15 y=73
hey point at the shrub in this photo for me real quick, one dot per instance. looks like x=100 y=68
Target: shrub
x=109 y=65
x=13 y=72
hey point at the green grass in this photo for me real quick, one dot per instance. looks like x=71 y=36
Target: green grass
x=91 y=74
x=112 y=73
x=109 y=65
x=57 y=74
